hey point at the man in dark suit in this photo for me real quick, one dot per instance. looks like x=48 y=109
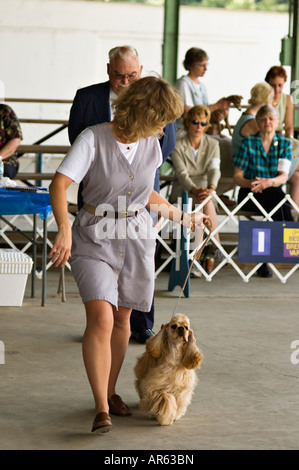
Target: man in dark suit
x=92 y=105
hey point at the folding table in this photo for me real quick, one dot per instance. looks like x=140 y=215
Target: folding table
x=21 y=202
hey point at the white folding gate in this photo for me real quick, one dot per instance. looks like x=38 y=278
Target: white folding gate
x=230 y=216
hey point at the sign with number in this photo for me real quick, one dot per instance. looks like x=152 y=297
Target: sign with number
x=268 y=242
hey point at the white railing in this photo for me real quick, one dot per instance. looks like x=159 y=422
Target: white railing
x=166 y=228
x=230 y=215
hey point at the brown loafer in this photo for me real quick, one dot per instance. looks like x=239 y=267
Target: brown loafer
x=118 y=407
x=101 y=423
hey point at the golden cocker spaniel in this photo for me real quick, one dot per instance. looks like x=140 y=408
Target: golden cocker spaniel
x=165 y=373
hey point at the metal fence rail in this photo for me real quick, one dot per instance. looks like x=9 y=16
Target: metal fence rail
x=230 y=215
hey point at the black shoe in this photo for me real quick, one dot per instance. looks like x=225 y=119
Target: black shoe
x=142 y=336
x=264 y=271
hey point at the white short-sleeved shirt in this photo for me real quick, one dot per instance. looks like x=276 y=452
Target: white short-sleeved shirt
x=76 y=168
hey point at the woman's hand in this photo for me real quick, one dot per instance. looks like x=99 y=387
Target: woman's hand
x=259 y=184
x=61 y=250
x=201 y=193
x=196 y=220
x=199 y=219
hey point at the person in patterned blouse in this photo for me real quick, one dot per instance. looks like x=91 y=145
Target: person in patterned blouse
x=261 y=166
x=10 y=139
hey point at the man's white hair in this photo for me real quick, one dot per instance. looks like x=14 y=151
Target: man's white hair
x=124 y=52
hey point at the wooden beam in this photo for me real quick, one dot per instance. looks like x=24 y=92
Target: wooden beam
x=44 y=121
x=34 y=176
x=36 y=100
x=39 y=149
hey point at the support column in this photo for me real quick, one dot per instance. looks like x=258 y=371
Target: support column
x=170 y=40
x=289 y=54
x=295 y=65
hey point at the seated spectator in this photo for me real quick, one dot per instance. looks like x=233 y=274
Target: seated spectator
x=193 y=91
x=10 y=139
x=261 y=167
x=261 y=94
x=196 y=161
x=276 y=77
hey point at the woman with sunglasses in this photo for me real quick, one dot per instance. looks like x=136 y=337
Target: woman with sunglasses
x=196 y=161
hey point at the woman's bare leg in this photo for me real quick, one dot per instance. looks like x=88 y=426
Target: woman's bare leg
x=119 y=343
x=105 y=343
x=209 y=209
x=97 y=350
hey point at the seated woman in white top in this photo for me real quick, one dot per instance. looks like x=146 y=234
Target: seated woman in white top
x=194 y=93
x=276 y=77
x=192 y=88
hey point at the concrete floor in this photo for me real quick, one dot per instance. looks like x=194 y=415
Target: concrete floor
x=247 y=395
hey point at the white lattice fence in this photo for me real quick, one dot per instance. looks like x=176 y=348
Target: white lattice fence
x=230 y=216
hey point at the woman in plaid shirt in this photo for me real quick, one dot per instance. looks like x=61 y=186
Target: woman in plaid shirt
x=261 y=167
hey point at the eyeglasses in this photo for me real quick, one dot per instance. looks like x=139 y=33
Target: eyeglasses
x=121 y=77
x=196 y=122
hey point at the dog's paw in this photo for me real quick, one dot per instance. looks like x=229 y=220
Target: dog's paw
x=163 y=421
x=194 y=361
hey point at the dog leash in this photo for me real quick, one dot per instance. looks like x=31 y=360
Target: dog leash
x=196 y=257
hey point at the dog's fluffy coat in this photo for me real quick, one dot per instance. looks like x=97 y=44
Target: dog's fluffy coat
x=165 y=373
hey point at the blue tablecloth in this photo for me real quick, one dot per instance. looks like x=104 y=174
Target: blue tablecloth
x=19 y=202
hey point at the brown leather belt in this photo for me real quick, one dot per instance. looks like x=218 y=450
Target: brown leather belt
x=112 y=214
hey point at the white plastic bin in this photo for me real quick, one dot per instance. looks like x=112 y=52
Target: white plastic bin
x=14 y=269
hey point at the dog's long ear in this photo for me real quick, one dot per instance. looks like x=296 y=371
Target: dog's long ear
x=192 y=360
x=192 y=357
x=156 y=345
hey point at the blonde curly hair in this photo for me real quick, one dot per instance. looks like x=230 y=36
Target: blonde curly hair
x=144 y=107
x=260 y=94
